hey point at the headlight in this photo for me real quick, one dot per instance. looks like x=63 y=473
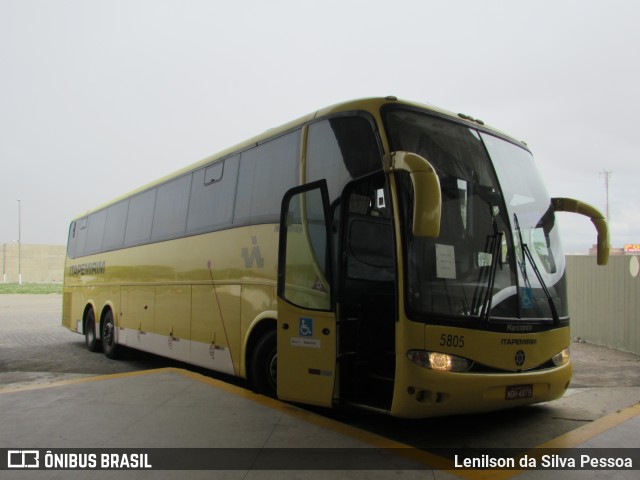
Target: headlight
x=561 y=358
x=438 y=361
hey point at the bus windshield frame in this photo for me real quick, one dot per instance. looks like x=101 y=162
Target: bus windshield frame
x=498 y=258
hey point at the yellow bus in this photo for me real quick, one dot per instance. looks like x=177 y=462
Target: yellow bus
x=377 y=253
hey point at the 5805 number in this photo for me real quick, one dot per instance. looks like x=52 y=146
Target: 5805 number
x=456 y=341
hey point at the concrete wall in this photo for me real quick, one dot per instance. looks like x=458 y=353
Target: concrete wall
x=38 y=263
x=604 y=302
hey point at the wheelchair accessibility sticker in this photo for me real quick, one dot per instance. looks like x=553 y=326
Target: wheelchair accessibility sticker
x=306 y=327
x=305 y=334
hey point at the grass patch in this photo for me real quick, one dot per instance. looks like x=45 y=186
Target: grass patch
x=31 y=288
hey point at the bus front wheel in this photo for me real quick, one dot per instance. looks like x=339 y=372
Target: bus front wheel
x=264 y=365
x=109 y=345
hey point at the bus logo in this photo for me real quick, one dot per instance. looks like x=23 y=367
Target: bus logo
x=520 y=358
x=254 y=256
x=306 y=327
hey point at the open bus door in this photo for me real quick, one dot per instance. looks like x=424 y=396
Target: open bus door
x=306 y=366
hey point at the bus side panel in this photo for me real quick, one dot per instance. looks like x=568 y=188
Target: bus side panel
x=229 y=298
x=209 y=338
x=215 y=327
x=173 y=321
x=138 y=316
x=73 y=308
x=67 y=314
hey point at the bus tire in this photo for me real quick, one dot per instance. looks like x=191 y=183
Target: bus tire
x=90 y=338
x=108 y=330
x=264 y=363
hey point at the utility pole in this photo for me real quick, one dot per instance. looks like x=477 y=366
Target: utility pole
x=19 y=239
x=607 y=175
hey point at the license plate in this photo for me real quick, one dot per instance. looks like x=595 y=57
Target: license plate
x=518 y=392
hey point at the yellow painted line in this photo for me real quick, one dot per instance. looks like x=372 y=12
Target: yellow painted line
x=401 y=449
x=568 y=440
x=397 y=448
x=593 y=429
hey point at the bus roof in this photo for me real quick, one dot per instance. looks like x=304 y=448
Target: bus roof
x=370 y=105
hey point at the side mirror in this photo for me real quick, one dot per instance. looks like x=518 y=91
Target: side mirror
x=427 y=198
x=598 y=220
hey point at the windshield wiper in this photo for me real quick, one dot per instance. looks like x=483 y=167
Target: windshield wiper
x=526 y=254
x=493 y=245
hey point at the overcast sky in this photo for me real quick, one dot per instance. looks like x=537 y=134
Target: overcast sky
x=98 y=97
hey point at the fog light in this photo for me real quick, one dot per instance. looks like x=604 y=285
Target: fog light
x=438 y=361
x=561 y=358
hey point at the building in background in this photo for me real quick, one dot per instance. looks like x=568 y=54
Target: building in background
x=37 y=263
x=618 y=251
x=632 y=248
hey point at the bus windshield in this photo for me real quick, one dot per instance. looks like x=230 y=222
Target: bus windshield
x=498 y=256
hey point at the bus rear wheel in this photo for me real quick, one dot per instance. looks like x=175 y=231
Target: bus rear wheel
x=264 y=365
x=90 y=338
x=109 y=345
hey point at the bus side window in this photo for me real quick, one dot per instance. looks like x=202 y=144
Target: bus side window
x=71 y=242
x=81 y=235
x=95 y=232
x=213 y=173
x=266 y=173
x=212 y=199
x=340 y=150
x=138 y=229
x=115 y=225
x=170 y=212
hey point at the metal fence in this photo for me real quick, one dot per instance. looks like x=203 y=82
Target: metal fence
x=604 y=301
